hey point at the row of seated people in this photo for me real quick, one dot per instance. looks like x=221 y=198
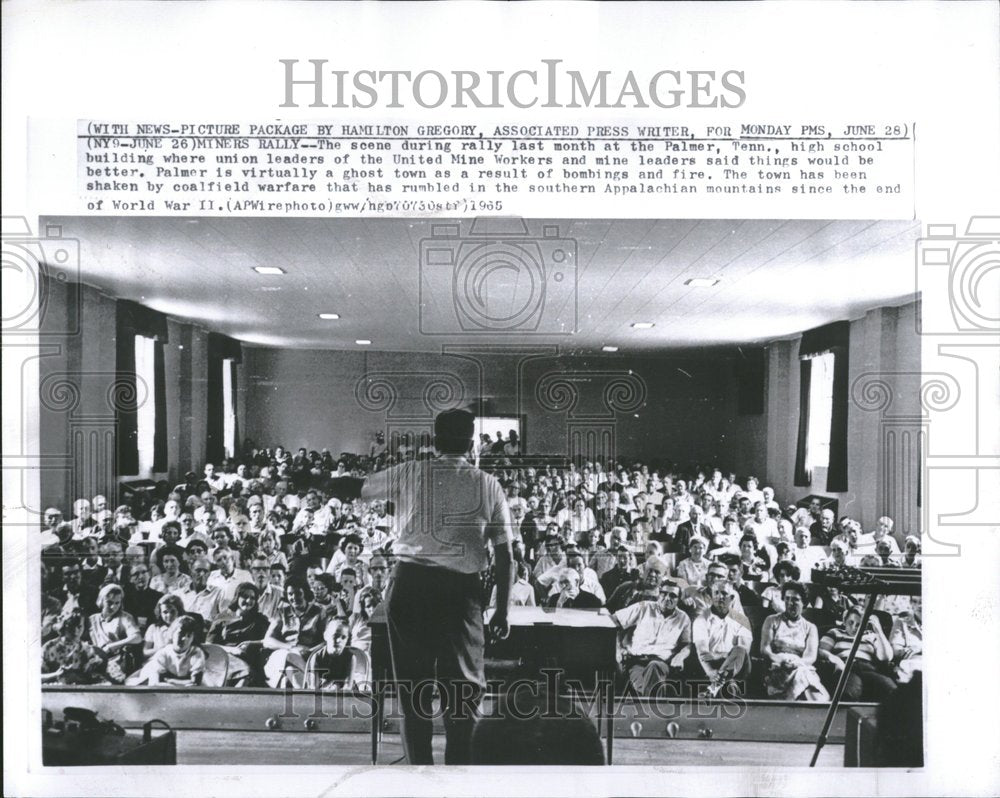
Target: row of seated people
x=605 y=564
x=269 y=627
x=321 y=535
x=635 y=598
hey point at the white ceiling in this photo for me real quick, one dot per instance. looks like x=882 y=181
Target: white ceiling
x=777 y=278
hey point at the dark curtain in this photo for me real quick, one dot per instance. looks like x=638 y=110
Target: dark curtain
x=220 y=347
x=833 y=338
x=803 y=479
x=750 y=371
x=160 y=463
x=132 y=319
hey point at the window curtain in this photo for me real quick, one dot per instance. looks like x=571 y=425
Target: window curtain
x=160 y=463
x=132 y=319
x=833 y=338
x=220 y=347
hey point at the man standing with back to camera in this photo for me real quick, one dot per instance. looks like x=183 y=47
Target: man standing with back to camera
x=446 y=512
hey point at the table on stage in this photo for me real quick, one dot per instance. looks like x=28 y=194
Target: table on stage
x=581 y=644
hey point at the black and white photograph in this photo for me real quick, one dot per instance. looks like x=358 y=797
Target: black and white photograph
x=552 y=484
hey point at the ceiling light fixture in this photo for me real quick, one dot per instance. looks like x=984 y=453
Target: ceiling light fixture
x=609 y=348
x=642 y=325
x=363 y=342
x=329 y=316
x=268 y=270
x=702 y=282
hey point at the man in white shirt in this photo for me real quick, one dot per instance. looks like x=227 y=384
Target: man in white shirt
x=209 y=514
x=216 y=482
x=199 y=598
x=722 y=642
x=753 y=493
x=238 y=475
x=270 y=597
x=522 y=594
x=883 y=531
x=807 y=556
x=447 y=512
x=227 y=578
x=661 y=640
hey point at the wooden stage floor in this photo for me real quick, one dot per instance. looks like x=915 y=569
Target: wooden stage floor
x=262 y=748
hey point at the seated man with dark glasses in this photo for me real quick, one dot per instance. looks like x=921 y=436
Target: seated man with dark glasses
x=660 y=640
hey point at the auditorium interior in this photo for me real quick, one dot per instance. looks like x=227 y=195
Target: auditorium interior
x=765 y=371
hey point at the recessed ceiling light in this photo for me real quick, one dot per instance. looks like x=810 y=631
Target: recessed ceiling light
x=609 y=348
x=268 y=270
x=329 y=316
x=363 y=342
x=642 y=325
x=701 y=282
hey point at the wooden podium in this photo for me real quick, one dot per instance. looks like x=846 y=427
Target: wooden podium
x=580 y=644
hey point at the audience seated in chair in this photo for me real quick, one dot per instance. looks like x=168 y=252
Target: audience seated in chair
x=659 y=641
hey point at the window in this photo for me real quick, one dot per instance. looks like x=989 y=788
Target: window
x=229 y=407
x=820 y=412
x=145 y=376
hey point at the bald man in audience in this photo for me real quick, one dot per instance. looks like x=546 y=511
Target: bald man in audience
x=825 y=529
x=883 y=531
x=700 y=598
x=722 y=643
x=644 y=589
x=571 y=594
x=807 y=556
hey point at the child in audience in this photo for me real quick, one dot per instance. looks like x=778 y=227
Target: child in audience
x=168 y=609
x=332 y=667
x=181 y=663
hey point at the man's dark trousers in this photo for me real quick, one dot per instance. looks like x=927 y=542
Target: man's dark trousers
x=436 y=639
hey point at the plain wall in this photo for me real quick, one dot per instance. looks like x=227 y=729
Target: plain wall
x=77 y=364
x=339 y=399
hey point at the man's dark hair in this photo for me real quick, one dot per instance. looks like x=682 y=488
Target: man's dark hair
x=454 y=431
